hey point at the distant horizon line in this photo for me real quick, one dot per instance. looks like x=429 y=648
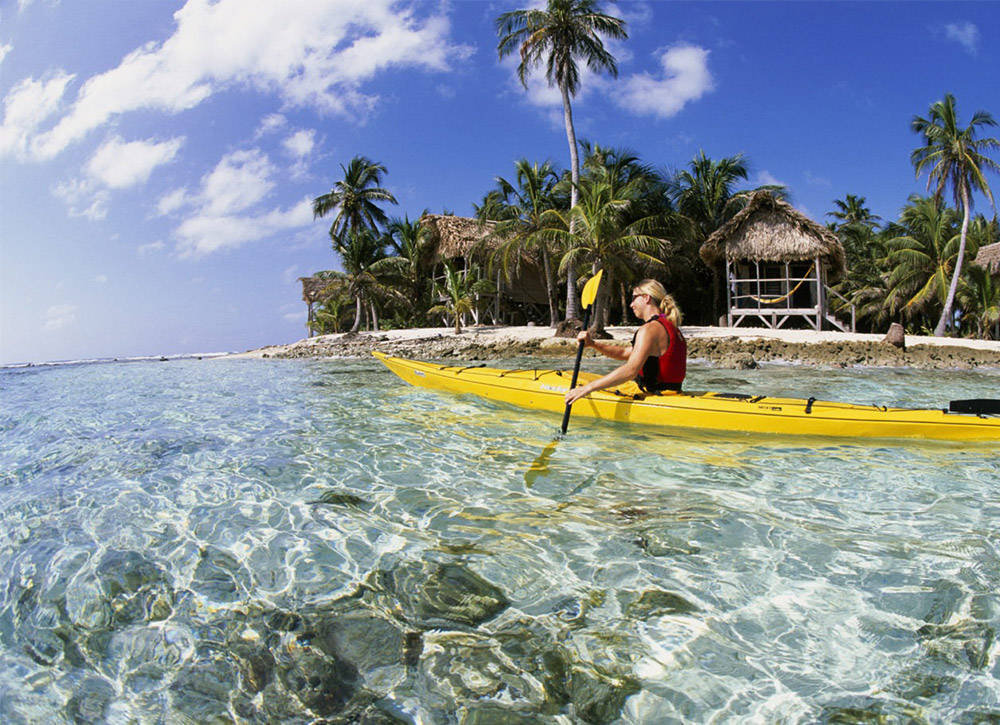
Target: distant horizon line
x=119 y=359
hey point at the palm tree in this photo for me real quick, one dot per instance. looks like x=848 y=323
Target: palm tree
x=410 y=268
x=604 y=236
x=706 y=195
x=855 y=226
x=458 y=295
x=328 y=314
x=921 y=257
x=954 y=156
x=354 y=197
x=359 y=251
x=561 y=34
x=979 y=296
x=852 y=210
x=520 y=208
x=649 y=200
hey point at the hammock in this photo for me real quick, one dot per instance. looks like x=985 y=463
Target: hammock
x=784 y=297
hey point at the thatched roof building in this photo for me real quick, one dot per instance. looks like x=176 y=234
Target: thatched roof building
x=313 y=289
x=989 y=257
x=771 y=230
x=455 y=236
x=459 y=237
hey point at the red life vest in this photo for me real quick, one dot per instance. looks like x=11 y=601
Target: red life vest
x=665 y=372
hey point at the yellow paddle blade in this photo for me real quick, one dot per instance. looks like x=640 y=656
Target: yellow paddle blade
x=590 y=290
x=541 y=465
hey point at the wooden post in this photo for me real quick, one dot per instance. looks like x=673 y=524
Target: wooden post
x=820 y=297
x=729 y=296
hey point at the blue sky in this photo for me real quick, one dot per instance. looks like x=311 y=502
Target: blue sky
x=157 y=158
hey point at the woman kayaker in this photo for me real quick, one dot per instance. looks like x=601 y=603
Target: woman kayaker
x=657 y=357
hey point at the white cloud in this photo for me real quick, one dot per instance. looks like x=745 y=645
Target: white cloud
x=685 y=78
x=145 y=249
x=221 y=214
x=119 y=164
x=84 y=197
x=101 y=279
x=4 y=50
x=636 y=13
x=315 y=54
x=270 y=123
x=58 y=317
x=204 y=234
x=171 y=202
x=965 y=34
x=300 y=144
x=239 y=181
x=26 y=107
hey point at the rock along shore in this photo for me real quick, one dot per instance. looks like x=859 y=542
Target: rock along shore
x=739 y=348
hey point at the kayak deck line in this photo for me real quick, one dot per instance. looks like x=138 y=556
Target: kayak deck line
x=542 y=389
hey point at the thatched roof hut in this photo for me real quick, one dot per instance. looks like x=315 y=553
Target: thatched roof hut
x=455 y=236
x=459 y=237
x=989 y=257
x=313 y=289
x=771 y=230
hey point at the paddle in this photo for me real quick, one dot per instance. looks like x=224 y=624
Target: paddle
x=586 y=300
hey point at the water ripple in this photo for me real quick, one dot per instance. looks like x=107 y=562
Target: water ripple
x=291 y=541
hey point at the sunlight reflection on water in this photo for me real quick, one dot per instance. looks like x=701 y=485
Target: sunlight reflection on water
x=211 y=539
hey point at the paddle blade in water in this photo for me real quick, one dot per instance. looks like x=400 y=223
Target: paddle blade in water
x=541 y=465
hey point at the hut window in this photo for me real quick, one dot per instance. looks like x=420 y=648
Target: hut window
x=772 y=279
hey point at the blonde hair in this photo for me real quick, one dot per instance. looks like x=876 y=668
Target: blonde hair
x=665 y=302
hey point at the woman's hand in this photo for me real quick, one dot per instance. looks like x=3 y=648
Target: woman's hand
x=576 y=393
x=584 y=337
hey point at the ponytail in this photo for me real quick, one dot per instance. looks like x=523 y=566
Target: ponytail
x=671 y=310
x=664 y=301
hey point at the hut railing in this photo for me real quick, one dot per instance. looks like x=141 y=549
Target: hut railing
x=776 y=298
x=847 y=303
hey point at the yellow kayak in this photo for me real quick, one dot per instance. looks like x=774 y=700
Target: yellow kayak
x=544 y=390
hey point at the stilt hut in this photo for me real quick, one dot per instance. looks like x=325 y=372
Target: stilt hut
x=778 y=265
x=468 y=242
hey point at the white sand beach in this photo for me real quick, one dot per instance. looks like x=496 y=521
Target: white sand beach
x=715 y=344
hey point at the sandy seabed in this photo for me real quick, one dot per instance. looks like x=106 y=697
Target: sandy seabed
x=739 y=348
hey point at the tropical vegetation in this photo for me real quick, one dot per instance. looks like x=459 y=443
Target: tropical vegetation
x=560 y=35
x=612 y=211
x=954 y=157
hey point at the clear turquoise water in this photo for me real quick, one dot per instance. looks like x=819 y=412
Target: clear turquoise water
x=219 y=540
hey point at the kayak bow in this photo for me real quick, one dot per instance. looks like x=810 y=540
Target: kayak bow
x=544 y=390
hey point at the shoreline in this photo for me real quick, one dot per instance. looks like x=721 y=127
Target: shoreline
x=734 y=348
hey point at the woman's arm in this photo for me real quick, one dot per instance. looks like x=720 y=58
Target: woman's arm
x=615 y=352
x=636 y=355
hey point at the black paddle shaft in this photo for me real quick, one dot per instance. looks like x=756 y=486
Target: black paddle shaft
x=576 y=370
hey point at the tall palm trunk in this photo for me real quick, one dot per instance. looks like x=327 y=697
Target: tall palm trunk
x=358 y=312
x=949 y=302
x=572 y=301
x=550 y=288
